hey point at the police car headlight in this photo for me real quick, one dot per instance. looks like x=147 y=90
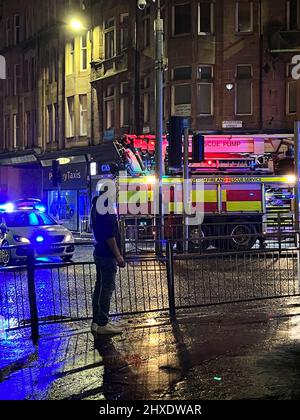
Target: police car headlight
x=21 y=239
x=69 y=238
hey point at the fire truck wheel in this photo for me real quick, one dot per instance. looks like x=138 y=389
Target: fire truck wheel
x=198 y=239
x=242 y=236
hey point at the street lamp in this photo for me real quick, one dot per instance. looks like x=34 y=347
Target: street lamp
x=159 y=69
x=76 y=25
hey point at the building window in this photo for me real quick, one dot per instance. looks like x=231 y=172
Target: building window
x=6 y=131
x=146 y=100
x=8 y=85
x=70 y=126
x=83 y=52
x=31 y=75
x=205 y=90
x=291 y=97
x=109 y=102
x=124 y=31
x=182 y=73
x=83 y=115
x=146 y=27
x=55 y=120
x=8 y=30
x=146 y=107
x=243 y=90
x=181 y=18
x=181 y=100
x=49 y=138
x=291 y=92
x=109 y=38
x=124 y=105
x=17 y=79
x=293 y=15
x=17 y=20
x=16 y=130
x=54 y=64
x=244 y=17
x=205 y=18
x=71 y=57
x=28 y=129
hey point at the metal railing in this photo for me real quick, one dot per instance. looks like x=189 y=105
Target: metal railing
x=139 y=235
x=39 y=293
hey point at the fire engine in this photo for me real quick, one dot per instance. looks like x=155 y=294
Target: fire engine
x=248 y=185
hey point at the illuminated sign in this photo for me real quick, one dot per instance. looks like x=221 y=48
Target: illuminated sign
x=236 y=145
x=93 y=168
x=232 y=124
x=63 y=161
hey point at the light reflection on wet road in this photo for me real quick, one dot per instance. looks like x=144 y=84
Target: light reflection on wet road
x=234 y=351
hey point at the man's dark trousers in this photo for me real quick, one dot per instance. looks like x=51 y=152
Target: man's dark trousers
x=105 y=285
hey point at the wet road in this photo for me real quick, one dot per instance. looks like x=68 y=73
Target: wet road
x=238 y=351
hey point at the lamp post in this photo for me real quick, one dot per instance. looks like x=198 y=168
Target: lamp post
x=159 y=73
x=159 y=67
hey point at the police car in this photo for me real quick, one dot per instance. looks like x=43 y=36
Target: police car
x=25 y=223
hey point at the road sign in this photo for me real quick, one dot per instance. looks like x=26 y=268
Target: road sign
x=232 y=124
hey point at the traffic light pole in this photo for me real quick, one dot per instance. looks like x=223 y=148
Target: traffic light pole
x=186 y=198
x=159 y=67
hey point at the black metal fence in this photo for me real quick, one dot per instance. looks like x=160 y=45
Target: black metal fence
x=141 y=235
x=35 y=294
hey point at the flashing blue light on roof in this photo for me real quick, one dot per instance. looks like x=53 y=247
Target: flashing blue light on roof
x=40 y=239
x=8 y=207
x=40 y=207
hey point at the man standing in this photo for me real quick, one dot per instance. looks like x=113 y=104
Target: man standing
x=107 y=257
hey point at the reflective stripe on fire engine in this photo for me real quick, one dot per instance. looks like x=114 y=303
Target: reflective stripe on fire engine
x=210 y=180
x=243 y=206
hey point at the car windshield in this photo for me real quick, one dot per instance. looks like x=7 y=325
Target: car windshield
x=27 y=219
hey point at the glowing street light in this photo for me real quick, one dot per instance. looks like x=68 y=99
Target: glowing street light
x=76 y=25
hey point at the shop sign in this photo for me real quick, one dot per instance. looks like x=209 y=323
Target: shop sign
x=232 y=124
x=109 y=135
x=183 y=110
x=74 y=177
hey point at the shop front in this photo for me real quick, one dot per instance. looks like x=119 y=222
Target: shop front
x=68 y=203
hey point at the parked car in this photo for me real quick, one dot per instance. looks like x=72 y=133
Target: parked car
x=30 y=227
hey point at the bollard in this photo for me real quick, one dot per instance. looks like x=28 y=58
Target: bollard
x=34 y=321
x=170 y=279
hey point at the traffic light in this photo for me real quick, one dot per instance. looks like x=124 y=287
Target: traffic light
x=198 y=148
x=176 y=125
x=56 y=173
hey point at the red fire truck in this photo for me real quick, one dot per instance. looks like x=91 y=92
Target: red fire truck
x=246 y=193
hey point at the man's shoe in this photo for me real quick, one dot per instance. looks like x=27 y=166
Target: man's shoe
x=108 y=329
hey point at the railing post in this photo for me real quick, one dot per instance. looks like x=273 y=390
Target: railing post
x=123 y=236
x=170 y=279
x=34 y=321
x=279 y=230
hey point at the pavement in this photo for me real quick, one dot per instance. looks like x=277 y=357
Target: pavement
x=237 y=351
